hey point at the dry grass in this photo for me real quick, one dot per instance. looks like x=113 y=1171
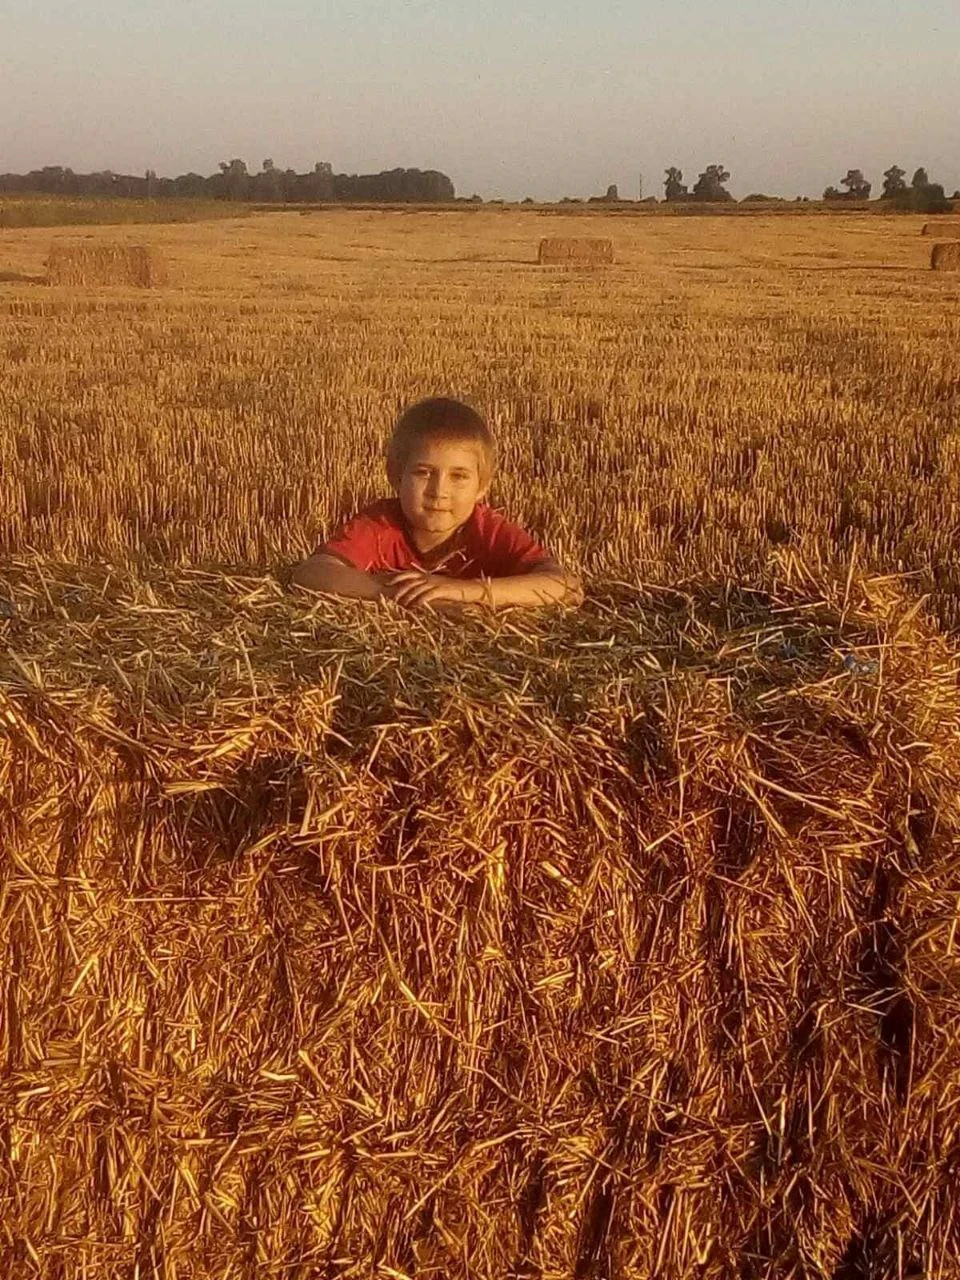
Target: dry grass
x=575 y=249
x=67 y=211
x=728 y=387
x=89 y=265
x=622 y=943
x=946 y=257
x=945 y=229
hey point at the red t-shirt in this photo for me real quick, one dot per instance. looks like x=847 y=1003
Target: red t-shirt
x=488 y=545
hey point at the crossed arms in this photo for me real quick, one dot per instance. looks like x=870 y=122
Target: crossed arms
x=546 y=583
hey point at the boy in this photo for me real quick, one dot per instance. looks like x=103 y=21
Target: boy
x=437 y=542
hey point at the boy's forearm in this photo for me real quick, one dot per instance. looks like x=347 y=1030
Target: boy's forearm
x=534 y=589
x=320 y=573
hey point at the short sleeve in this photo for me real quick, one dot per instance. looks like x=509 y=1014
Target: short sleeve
x=509 y=549
x=358 y=542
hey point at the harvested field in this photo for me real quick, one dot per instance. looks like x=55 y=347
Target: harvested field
x=729 y=387
x=946 y=257
x=944 y=230
x=89 y=265
x=619 y=943
x=575 y=249
x=54 y=211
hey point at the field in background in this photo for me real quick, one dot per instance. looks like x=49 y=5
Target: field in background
x=60 y=211
x=727 y=388
x=610 y=944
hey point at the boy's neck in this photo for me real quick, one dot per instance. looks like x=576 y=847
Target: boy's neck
x=426 y=542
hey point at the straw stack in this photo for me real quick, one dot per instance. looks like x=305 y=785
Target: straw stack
x=575 y=250
x=87 y=264
x=945 y=230
x=946 y=257
x=340 y=942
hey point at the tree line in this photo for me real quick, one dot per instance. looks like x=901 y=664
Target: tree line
x=233 y=181
x=273 y=185
x=921 y=196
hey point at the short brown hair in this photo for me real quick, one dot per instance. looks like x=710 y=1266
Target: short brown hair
x=439 y=418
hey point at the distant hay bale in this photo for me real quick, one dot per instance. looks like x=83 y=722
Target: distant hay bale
x=948 y=230
x=75 y=263
x=946 y=257
x=575 y=250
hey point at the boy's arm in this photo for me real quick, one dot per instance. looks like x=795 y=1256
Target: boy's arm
x=321 y=572
x=545 y=583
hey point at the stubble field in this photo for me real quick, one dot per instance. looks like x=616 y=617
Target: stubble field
x=729 y=387
x=606 y=945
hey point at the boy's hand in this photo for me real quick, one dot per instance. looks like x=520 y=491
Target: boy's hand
x=416 y=589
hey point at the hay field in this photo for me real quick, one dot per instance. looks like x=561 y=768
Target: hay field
x=610 y=945
x=63 y=211
x=728 y=387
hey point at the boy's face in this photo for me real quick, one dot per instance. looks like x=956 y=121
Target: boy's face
x=439 y=488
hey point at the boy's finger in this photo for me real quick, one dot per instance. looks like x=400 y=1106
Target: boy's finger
x=407 y=594
x=416 y=594
x=422 y=595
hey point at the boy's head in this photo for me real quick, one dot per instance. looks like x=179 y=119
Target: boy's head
x=440 y=461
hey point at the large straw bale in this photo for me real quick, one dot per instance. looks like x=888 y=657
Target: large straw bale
x=576 y=250
x=82 y=263
x=945 y=229
x=946 y=257
x=336 y=942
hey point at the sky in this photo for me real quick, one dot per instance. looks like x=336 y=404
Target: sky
x=509 y=98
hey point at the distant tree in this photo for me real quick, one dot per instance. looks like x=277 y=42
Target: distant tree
x=190 y=185
x=893 y=182
x=673 y=188
x=319 y=184
x=709 y=185
x=858 y=188
x=929 y=199
x=613 y=195
x=235 y=180
x=269 y=183
x=922 y=196
x=832 y=193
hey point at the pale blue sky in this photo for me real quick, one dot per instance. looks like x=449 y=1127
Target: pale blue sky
x=510 y=98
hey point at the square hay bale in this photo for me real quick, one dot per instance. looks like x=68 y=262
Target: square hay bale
x=948 y=230
x=81 y=264
x=682 y=977
x=946 y=257
x=577 y=249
